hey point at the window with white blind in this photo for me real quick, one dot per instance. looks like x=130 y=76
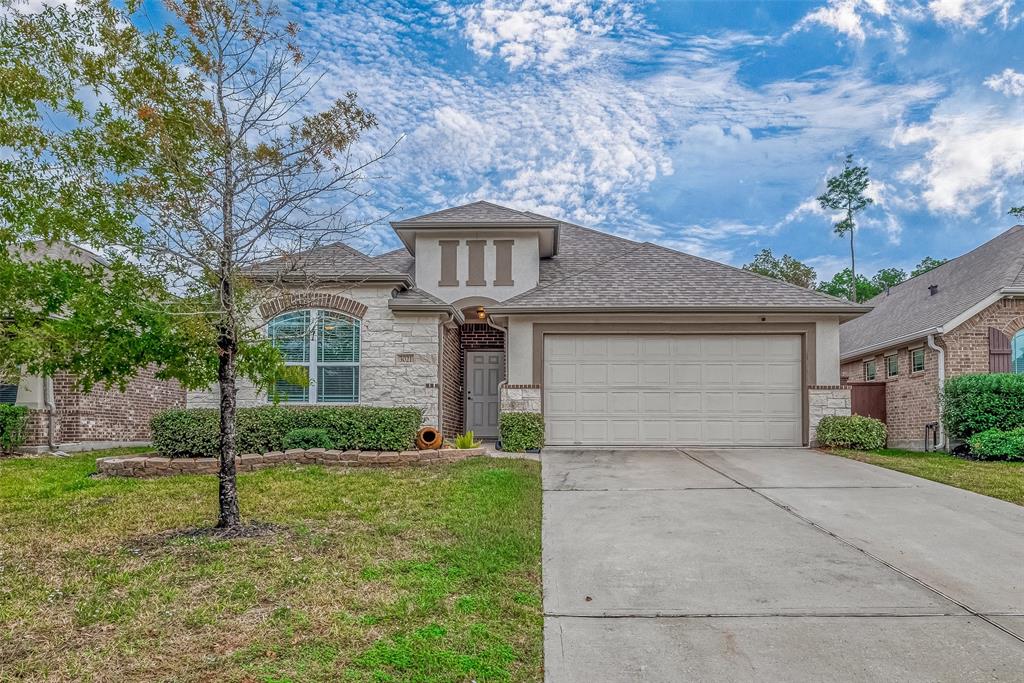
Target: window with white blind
x=1017 y=353
x=326 y=345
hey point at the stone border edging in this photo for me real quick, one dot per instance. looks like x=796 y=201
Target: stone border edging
x=157 y=466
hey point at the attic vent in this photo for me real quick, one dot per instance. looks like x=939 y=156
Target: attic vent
x=932 y=289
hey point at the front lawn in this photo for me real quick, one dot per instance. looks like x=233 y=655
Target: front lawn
x=1003 y=480
x=427 y=574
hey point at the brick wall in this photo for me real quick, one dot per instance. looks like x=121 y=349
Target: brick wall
x=482 y=337
x=967 y=345
x=104 y=415
x=453 y=407
x=912 y=399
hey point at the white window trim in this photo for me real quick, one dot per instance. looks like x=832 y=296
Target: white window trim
x=914 y=352
x=314 y=363
x=871 y=361
x=887 y=357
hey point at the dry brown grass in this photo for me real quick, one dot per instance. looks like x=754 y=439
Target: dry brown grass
x=429 y=575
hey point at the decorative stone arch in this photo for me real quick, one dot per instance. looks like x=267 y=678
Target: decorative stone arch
x=324 y=300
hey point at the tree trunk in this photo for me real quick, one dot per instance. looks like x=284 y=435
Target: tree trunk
x=228 y=493
x=853 y=266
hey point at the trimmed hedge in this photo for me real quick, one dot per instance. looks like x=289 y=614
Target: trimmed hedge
x=851 y=431
x=195 y=432
x=996 y=444
x=521 y=431
x=307 y=437
x=13 y=420
x=972 y=404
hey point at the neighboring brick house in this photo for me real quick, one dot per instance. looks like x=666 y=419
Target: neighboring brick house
x=486 y=308
x=61 y=417
x=964 y=317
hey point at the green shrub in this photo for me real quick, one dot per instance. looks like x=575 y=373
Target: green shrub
x=307 y=437
x=195 y=433
x=521 y=431
x=467 y=440
x=12 y=426
x=972 y=404
x=851 y=431
x=996 y=444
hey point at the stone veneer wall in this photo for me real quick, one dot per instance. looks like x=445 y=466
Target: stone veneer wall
x=521 y=398
x=155 y=466
x=824 y=400
x=103 y=417
x=398 y=354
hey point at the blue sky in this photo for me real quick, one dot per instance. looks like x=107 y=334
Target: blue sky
x=705 y=126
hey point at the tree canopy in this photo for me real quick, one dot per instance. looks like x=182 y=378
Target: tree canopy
x=845 y=192
x=787 y=269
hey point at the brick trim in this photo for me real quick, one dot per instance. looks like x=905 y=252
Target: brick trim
x=332 y=302
x=522 y=386
x=828 y=387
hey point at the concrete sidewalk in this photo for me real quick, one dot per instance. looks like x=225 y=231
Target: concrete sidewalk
x=774 y=564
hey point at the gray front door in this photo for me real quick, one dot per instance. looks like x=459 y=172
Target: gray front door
x=484 y=372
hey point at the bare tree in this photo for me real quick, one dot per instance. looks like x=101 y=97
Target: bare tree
x=259 y=177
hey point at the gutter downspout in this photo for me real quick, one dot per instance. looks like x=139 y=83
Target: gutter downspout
x=942 y=383
x=51 y=412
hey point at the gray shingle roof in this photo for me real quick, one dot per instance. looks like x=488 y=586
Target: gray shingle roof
x=909 y=309
x=336 y=261
x=399 y=261
x=655 y=277
x=581 y=248
x=416 y=297
x=479 y=213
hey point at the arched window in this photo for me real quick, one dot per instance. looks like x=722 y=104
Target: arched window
x=326 y=344
x=1017 y=353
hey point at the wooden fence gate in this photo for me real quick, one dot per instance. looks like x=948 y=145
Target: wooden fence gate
x=868 y=399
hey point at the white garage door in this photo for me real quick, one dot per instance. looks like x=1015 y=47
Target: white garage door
x=672 y=389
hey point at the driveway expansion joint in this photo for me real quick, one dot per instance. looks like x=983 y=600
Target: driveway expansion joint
x=851 y=544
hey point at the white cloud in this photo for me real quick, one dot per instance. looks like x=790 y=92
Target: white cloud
x=972 y=155
x=559 y=34
x=1009 y=82
x=858 y=20
x=846 y=17
x=970 y=13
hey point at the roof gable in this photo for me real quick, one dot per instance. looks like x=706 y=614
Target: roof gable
x=477 y=213
x=909 y=309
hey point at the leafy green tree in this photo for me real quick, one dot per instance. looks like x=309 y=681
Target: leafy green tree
x=839 y=285
x=787 y=269
x=887 y=277
x=845 y=192
x=190 y=154
x=926 y=264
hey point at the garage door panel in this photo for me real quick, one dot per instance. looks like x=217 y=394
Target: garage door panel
x=686 y=374
x=656 y=374
x=664 y=389
x=621 y=374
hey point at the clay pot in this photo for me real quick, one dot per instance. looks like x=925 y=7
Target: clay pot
x=429 y=438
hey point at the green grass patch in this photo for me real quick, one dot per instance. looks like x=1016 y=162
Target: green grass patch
x=1004 y=480
x=427 y=574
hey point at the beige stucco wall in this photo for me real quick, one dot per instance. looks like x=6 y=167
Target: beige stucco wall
x=398 y=357
x=525 y=264
x=520 y=330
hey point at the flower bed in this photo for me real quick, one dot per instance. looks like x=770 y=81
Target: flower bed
x=156 y=466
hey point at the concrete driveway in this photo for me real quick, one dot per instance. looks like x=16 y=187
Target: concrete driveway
x=774 y=565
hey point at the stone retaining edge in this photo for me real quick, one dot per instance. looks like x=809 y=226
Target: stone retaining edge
x=157 y=466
